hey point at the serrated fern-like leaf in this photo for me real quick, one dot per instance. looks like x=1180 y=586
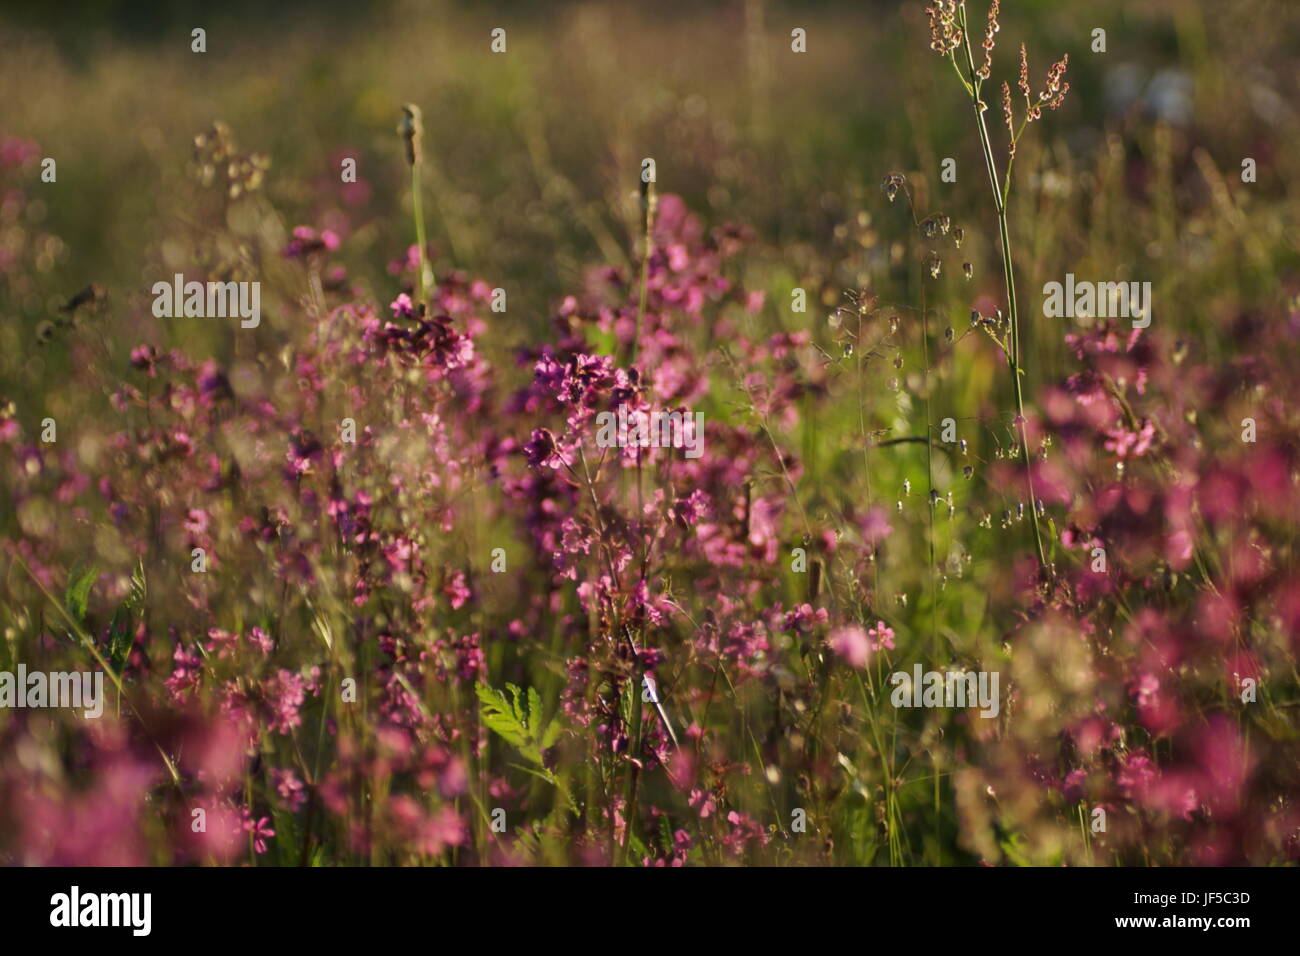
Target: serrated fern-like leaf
x=502 y=715
x=517 y=719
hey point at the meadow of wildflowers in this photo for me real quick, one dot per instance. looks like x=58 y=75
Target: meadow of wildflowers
x=397 y=571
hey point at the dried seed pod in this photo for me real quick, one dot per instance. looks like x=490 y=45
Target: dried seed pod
x=892 y=184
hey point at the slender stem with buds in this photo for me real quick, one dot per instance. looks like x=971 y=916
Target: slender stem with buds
x=973 y=86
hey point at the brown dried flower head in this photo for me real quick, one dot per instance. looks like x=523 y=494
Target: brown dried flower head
x=945 y=32
x=990 y=30
x=1054 y=93
x=1009 y=118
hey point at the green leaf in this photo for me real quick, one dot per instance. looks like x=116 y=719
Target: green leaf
x=666 y=835
x=120 y=637
x=542 y=774
x=135 y=600
x=1016 y=847
x=77 y=596
x=121 y=630
x=552 y=734
x=636 y=850
x=534 y=705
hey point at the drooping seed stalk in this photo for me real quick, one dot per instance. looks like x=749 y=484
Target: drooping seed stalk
x=1008 y=273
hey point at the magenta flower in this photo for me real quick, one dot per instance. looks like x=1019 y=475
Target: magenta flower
x=260 y=829
x=290 y=788
x=882 y=636
x=852 y=644
x=285 y=693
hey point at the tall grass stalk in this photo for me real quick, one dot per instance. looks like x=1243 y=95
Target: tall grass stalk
x=974 y=86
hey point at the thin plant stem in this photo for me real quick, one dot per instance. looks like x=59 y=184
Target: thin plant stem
x=649 y=204
x=929 y=473
x=866 y=460
x=419 y=234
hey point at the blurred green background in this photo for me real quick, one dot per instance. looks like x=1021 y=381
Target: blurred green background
x=533 y=154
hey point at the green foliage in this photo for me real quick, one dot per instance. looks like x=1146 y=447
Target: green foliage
x=121 y=631
x=1019 y=853
x=77 y=596
x=518 y=720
